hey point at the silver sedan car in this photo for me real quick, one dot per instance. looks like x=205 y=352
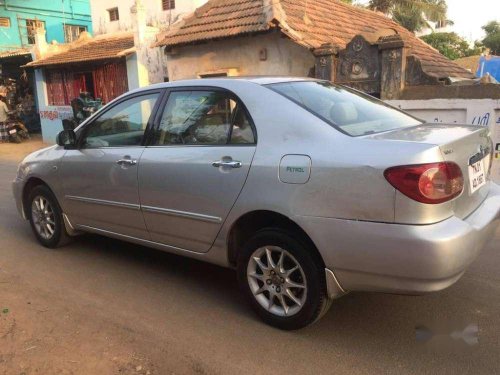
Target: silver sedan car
x=309 y=190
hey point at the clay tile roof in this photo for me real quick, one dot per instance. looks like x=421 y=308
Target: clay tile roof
x=218 y=19
x=321 y=21
x=102 y=47
x=14 y=53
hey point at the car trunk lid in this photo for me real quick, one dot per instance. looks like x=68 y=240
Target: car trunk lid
x=461 y=144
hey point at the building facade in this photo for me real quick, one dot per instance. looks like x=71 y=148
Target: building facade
x=112 y=15
x=330 y=40
x=117 y=58
x=63 y=20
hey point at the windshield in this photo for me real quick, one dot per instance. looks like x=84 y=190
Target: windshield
x=351 y=112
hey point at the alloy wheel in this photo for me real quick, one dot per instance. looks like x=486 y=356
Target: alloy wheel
x=277 y=281
x=43 y=217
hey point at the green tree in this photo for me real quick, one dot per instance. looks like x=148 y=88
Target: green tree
x=492 y=39
x=413 y=15
x=451 y=45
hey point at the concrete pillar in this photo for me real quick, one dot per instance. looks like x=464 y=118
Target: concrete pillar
x=41 y=46
x=144 y=67
x=325 y=62
x=393 y=67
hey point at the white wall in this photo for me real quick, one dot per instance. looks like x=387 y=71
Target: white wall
x=50 y=116
x=155 y=17
x=241 y=56
x=480 y=112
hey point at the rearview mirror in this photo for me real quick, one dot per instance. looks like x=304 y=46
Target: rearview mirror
x=66 y=138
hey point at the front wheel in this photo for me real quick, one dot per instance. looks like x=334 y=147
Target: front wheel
x=282 y=279
x=46 y=218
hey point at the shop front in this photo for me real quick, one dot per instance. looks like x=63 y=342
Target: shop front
x=17 y=88
x=73 y=83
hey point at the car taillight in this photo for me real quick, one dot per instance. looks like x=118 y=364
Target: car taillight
x=427 y=183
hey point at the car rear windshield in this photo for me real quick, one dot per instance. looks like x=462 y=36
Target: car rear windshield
x=349 y=111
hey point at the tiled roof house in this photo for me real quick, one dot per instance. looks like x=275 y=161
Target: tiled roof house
x=106 y=47
x=353 y=35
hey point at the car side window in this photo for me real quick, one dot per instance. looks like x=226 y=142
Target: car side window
x=203 y=118
x=123 y=125
x=242 y=131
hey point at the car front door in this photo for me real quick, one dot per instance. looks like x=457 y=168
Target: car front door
x=193 y=171
x=100 y=177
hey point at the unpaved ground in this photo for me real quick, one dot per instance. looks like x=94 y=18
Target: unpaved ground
x=100 y=306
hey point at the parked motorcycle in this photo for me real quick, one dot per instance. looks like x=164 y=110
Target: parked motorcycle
x=84 y=106
x=16 y=129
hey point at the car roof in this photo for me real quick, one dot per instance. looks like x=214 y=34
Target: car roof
x=260 y=80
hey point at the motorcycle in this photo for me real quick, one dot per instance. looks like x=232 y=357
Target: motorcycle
x=84 y=106
x=16 y=129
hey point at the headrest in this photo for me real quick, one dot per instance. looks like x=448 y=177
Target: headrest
x=344 y=113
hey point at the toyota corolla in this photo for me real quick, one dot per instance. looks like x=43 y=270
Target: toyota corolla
x=309 y=190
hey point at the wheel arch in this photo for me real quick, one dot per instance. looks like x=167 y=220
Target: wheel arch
x=249 y=223
x=28 y=187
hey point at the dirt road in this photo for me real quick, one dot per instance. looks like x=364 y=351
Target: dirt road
x=101 y=306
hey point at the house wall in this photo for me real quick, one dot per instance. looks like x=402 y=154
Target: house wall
x=480 y=112
x=50 y=116
x=156 y=16
x=54 y=13
x=241 y=56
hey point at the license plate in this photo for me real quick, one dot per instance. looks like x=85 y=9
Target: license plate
x=12 y=131
x=477 y=174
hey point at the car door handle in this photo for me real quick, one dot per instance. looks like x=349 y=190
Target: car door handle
x=126 y=162
x=229 y=164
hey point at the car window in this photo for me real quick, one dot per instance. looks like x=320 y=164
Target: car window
x=122 y=125
x=242 y=131
x=352 y=112
x=203 y=118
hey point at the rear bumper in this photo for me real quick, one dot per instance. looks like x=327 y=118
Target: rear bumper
x=407 y=259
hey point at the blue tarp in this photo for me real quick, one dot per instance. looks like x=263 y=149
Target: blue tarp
x=489 y=64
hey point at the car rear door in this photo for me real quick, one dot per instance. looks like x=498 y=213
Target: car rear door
x=195 y=168
x=99 y=178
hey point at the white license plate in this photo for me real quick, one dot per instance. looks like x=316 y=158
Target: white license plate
x=12 y=131
x=477 y=174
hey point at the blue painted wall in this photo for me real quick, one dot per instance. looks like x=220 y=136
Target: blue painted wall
x=55 y=13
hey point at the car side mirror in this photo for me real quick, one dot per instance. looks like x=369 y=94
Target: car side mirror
x=66 y=138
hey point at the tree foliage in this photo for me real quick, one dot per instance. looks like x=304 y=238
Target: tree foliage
x=412 y=14
x=451 y=45
x=492 y=39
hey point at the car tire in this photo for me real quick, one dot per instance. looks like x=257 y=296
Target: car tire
x=307 y=303
x=46 y=219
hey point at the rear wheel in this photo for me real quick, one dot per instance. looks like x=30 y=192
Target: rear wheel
x=282 y=279
x=46 y=218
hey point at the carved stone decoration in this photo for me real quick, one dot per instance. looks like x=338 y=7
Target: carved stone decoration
x=359 y=66
x=325 y=62
x=393 y=67
x=357 y=44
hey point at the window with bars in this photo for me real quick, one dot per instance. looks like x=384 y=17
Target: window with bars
x=113 y=14
x=168 y=4
x=4 y=22
x=72 y=32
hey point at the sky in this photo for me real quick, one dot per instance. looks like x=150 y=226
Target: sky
x=469 y=16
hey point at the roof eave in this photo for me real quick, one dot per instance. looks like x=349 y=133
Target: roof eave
x=79 y=62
